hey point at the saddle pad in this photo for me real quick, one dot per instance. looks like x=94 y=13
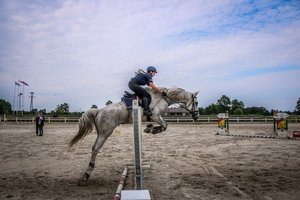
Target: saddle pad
x=127 y=101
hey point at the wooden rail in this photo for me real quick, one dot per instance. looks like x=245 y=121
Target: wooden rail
x=169 y=119
x=28 y=120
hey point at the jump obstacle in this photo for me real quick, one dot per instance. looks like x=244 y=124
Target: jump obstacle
x=138 y=193
x=223 y=123
x=280 y=127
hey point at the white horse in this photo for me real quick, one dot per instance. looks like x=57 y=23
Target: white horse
x=108 y=118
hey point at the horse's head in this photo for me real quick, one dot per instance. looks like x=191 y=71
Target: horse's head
x=192 y=105
x=189 y=100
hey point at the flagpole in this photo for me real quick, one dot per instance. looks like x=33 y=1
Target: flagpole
x=20 y=98
x=24 y=83
x=23 y=100
x=14 y=108
x=18 y=107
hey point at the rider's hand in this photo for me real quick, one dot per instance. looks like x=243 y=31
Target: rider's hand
x=164 y=94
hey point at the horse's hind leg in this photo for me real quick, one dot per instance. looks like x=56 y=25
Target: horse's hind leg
x=95 y=150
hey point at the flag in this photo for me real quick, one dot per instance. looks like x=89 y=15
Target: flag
x=23 y=83
x=16 y=83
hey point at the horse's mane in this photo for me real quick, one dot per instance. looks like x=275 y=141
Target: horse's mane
x=174 y=93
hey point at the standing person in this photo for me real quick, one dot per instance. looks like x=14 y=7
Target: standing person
x=141 y=79
x=39 y=122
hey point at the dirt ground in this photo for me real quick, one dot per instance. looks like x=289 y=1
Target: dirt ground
x=184 y=162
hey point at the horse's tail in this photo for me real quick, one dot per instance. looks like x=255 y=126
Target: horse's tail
x=86 y=122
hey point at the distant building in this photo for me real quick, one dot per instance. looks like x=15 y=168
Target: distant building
x=177 y=111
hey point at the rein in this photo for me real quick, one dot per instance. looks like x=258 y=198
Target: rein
x=193 y=111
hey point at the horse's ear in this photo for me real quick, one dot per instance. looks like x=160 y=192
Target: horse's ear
x=196 y=93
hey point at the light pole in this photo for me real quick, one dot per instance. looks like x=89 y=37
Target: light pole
x=31 y=101
x=20 y=99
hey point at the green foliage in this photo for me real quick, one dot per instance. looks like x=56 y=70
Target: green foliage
x=5 y=107
x=223 y=104
x=62 y=109
x=43 y=111
x=34 y=111
x=256 y=111
x=297 y=111
x=238 y=111
x=201 y=111
x=211 y=109
x=237 y=107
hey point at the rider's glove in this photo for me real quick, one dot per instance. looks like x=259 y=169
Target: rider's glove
x=164 y=94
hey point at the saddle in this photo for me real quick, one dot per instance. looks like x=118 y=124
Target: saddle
x=129 y=97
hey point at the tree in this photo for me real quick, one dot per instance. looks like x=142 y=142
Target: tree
x=237 y=107
x=5 y=107
x=223 y=104
x=257 y=110
x=43 y=111
x=298 y=106
x=35 y=110
x=201 y=110
x=211 y=109
x=238 y=111
x=62 y=109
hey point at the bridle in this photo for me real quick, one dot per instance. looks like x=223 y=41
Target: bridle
x=193 y=112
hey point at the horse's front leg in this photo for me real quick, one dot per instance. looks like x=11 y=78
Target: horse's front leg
x=95 y=150
x=163 y=123
x=157 y=129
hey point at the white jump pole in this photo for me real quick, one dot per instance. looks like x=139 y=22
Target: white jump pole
x=138 y=193
x=137 y=129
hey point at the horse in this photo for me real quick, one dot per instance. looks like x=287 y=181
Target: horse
x=108 y=118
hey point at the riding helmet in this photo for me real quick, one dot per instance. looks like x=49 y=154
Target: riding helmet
x=151 y=68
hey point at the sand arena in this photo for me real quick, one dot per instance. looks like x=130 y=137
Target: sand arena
x=186 y=162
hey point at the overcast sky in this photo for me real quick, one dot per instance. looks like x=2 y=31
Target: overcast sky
x=85 y=52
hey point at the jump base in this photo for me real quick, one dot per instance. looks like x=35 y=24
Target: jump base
x=135 y=195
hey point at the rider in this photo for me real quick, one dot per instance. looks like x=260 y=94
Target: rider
x=142 y=79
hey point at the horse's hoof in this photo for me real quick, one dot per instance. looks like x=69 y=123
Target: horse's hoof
x=149 y=125
x=84 y=179
x=157 y=130
x=147 y=130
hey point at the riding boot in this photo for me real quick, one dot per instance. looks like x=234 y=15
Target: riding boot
x=145 y=103
x=148 y=118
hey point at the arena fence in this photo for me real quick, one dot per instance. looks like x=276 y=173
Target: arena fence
x=203 y=119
